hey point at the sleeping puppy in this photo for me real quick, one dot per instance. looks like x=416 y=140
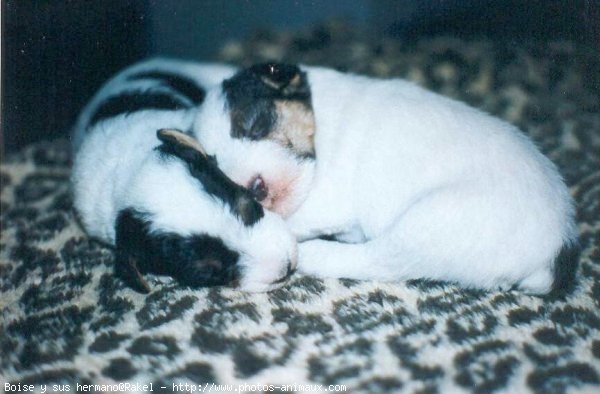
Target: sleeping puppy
x=160 y=199
x=382 y=179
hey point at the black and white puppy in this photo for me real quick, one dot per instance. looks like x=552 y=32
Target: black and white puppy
x=162 y=201
x=405 y=183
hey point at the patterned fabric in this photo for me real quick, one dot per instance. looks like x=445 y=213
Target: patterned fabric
x=66 y=319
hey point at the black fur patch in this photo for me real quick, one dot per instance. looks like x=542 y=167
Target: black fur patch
x=215 y=182
x=136 y=100
x=195 y=260
x=251 y=95
x=565 y=268
x=178 y=83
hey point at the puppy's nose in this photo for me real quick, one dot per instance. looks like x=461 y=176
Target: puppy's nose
x=259 y=189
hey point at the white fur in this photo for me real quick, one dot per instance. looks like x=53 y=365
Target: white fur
x=116 y=167
x=425 y=187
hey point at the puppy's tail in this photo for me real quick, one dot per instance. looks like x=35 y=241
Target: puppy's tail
x=565 y=269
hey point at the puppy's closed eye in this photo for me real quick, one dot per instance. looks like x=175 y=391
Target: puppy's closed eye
x=253 y=121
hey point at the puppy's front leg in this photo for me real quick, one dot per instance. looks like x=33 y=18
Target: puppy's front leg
x=317 y=218
x=331 y=259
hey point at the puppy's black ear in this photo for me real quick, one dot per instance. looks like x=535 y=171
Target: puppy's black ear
x=254 y=120
x=130 y=247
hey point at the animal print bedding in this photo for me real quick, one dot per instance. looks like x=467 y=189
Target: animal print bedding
x=66 y=319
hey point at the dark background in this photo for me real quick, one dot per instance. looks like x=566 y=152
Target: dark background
x=55 y=54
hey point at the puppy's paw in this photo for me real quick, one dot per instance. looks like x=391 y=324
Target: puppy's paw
x=331 y=259
x=270 y=257
x=257 y=279
x=538 y=283
x=312 y=257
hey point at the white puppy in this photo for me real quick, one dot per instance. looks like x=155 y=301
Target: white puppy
x=163 y=203
x=403 y=183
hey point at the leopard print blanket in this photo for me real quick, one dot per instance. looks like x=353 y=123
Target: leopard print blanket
x=67 y=320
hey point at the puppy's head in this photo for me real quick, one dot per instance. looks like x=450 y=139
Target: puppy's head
x=260 y=126
x=205 y=230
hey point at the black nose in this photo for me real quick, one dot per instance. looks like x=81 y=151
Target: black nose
x=259 y=189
